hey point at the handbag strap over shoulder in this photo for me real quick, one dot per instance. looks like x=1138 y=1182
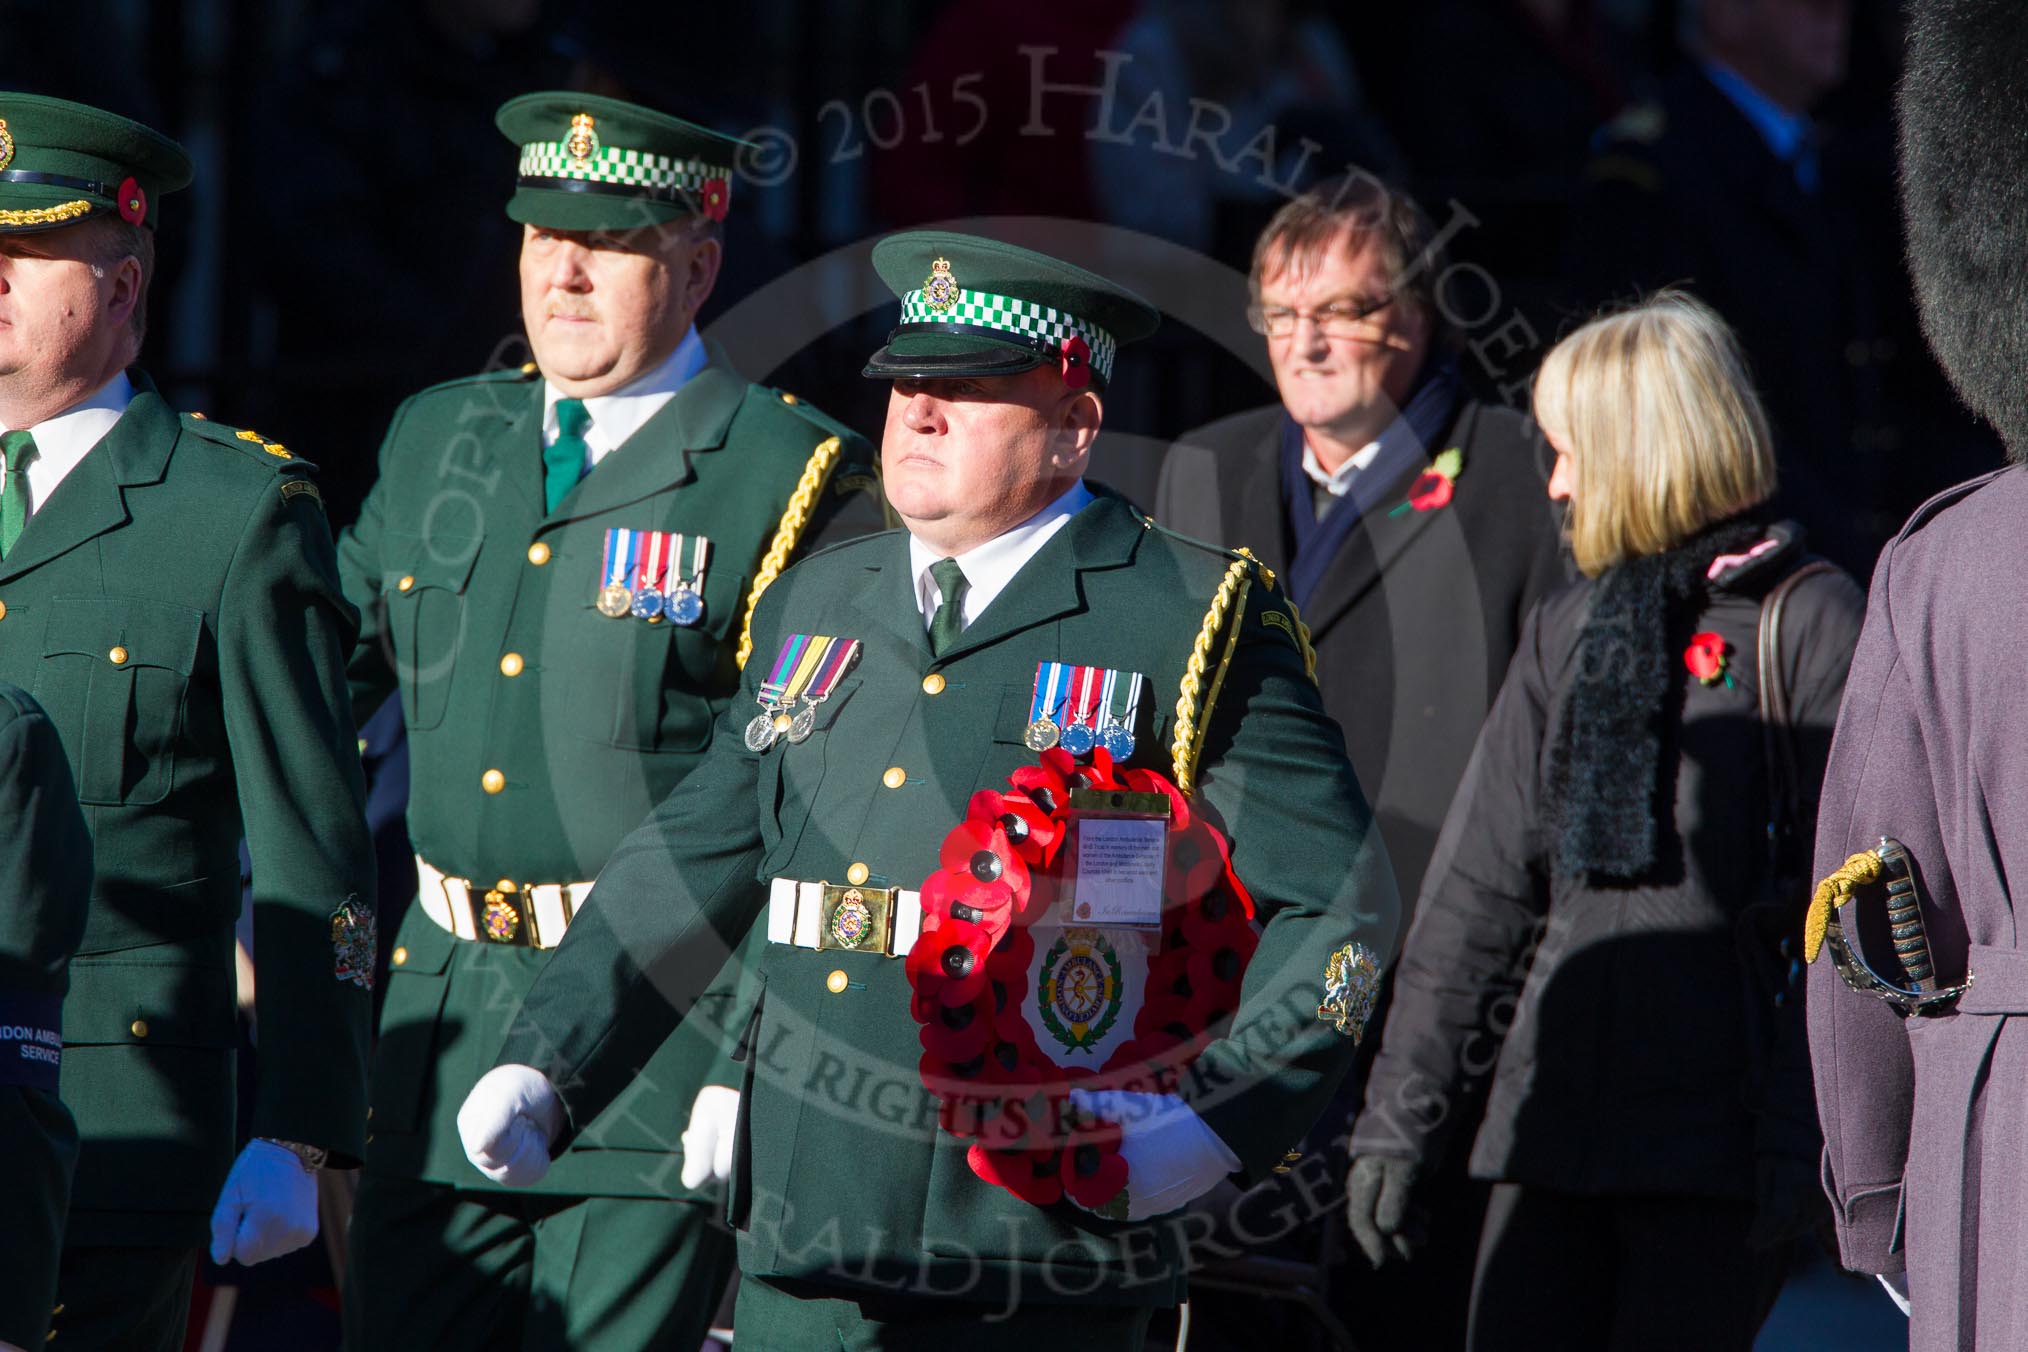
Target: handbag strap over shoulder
x=1783 y=772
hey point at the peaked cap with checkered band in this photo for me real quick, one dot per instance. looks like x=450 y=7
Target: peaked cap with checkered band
x=972 y=306
x=594 y=163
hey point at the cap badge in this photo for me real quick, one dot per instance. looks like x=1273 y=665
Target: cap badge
x=6 y=145
x=940 y=290
x=583 y=142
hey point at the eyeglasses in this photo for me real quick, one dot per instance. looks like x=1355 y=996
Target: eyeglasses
x=1339 y=319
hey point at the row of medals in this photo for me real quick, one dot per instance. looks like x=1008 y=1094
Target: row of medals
x=680 y=605
x=775 y=720
x=1079 y=738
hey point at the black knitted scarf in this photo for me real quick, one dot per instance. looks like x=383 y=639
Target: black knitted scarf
x=1605 y=785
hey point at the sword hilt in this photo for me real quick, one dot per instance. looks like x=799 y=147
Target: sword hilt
x=1904 y=917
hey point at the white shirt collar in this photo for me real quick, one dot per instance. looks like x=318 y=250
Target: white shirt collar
x=617 y=416
x=1337 y=482
x=61 y=442
x=991 y=566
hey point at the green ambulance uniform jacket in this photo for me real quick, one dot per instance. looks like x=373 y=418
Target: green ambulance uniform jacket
x=175 y=609
x=842 y=1176
x=45 y=887
x=480 y=609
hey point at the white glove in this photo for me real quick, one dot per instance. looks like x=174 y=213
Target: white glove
x=267 y=1208
x=707 y=1141
x=507 y=1123
x=1172 y=1157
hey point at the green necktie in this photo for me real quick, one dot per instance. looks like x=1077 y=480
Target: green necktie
x=564 y=459
x=18 y=449
x=949 y=621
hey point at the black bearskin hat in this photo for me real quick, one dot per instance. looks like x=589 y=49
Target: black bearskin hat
x=1964 y=157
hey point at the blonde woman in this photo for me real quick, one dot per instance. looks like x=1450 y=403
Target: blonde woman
x=1593 y=999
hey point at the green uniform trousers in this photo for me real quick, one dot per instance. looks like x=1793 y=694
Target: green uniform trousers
x=123 y=1299
x=440 y=1269
x=800 y=1317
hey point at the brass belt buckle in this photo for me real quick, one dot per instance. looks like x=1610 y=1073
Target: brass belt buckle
x=856 y=919
x=505 y=916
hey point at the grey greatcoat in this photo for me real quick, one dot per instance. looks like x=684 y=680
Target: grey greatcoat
x=1925 y=1122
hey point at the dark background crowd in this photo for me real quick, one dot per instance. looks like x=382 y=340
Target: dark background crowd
x=344 y=244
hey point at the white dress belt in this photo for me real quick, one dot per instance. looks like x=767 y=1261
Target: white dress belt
x=529 y=915
x=797 y=914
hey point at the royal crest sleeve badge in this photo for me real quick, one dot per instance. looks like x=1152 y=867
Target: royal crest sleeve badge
x=1351 y=986
x=352 y=944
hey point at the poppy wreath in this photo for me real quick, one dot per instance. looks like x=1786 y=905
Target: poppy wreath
x=1002 y=869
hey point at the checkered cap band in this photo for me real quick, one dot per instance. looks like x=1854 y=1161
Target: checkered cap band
x=1022 y=318
x=611 y=164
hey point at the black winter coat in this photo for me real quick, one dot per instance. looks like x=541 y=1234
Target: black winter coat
x=1631 y=1040
x=1417 y=618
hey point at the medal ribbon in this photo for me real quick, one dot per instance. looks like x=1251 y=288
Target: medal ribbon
x=835 y=665
x=1049 y=677
x=770 y=696
x=654 y=560
x=813 y=657
x=1123 y=698
x=1084 y=690
x=620 y=545
x=700 y=550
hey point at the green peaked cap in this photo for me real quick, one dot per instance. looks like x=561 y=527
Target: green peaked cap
x=972 y=306
x=594 y=163
x=64 y=162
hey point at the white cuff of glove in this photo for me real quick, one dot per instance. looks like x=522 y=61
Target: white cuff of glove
x=267 y=1208
x=1172 y=1157
x=507 y=1123
x=707 y=1141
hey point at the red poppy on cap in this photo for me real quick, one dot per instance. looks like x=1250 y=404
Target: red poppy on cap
x=133 y=203
x=717 y=198
x=1076 y=362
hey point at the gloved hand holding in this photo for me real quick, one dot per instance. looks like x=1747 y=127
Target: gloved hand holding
x=1377 y=1207
x=707 y=1141
x=1172 y=1157
x=267 y=1208
x=507 y=1123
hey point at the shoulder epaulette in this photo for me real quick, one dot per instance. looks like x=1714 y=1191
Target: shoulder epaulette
x=820 y=422
x=1956 y=492
x=506 y=375
x=271 y=453
x=1262 y=572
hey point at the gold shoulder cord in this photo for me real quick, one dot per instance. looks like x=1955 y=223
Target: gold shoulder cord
x=786 y=534
x=1303 y=640
x=1191 y=719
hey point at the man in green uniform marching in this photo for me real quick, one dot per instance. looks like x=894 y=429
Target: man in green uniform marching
x=947 y=1114
x=45 y=885
x=558 y=568
x=169 y=595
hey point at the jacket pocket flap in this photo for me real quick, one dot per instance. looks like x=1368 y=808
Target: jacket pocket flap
x=416 y=562
x=161 y=1000
x=124 y=631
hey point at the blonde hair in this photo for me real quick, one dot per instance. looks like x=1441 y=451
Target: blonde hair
x=1665 y=433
